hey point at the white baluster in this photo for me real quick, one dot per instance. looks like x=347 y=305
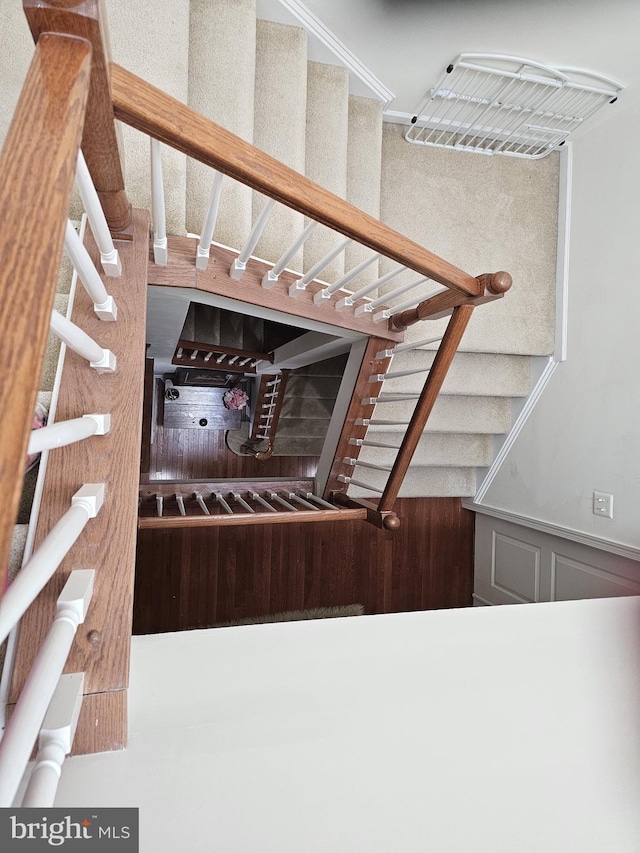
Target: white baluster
x=362 y=485
x=24 y=725
x=311 y=497
x=194 y=355
x=302 y=283
x=180 y=501
x=55 y=741
x=410 y=303
x=382 y=300
x=365 y=442
x=109 y=257
x=297 y=499
x=103 y=304
x=159 y=505
x=240 y=263
x=179 y=352
x=387 y=353
x=202 y=504
x=233 y=359
x=157 y=207
x=352 y=462
x=202 y=255
x=380 y=377
x=208 y=356
x=243 y=503
x=258 y=499
x=273 y=496
x=323 y=295
x=225 y=506
x=270 y=277
x=388 y=398
x=102 y=360
x=68 y=432
x=28 y=583
x=379 y=422
x=349 y=301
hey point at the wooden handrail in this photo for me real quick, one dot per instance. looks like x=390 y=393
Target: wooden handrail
x=146 y=108
x=448 y=348
x=87 y=19
x=46 y=128
x=494 y=286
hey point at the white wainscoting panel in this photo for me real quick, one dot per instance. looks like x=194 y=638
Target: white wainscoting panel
x=515 y=564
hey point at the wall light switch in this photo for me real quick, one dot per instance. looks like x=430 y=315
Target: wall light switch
x=603 y=504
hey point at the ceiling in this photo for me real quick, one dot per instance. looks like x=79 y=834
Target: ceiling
x=408 y=43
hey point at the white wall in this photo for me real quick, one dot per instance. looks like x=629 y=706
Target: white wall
x=487 y=730
x=585 y=432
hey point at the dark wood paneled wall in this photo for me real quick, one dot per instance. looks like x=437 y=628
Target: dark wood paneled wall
x=196 y=578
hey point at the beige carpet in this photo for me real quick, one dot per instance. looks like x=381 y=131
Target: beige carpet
x=482 y=214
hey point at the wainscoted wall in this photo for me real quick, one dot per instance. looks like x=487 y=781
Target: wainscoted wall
x=515 y=564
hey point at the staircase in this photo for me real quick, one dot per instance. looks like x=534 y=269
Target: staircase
x=253 y=77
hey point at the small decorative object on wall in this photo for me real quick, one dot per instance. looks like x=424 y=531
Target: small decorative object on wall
x=497 y=104
x=235 y=398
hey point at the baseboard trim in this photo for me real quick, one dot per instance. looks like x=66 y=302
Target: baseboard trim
x=332 y=43
x=517 y=428
x=485 y=602
x=619 y=548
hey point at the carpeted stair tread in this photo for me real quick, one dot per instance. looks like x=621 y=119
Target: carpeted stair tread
x=329 y=367
x=482 y=214
x=487 y=374
x=419 y=482
x=364 y=166
x=206 y=324
x=327 y=130
x=299 y=445
x=435 y=449
x=222 y=64
x=152 y=40
x=291 y=427
x=313 y=386
x=490 y=415
x=307 y=407
x=279 y=123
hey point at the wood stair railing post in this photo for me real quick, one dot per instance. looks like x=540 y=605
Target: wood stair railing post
x=46 y=129
x=494 y=286
x=100 y=145
x=448 y=348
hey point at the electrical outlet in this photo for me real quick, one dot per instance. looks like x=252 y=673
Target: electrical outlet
x=603 y=504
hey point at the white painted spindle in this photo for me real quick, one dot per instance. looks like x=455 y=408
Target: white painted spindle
x=352 y=462
x=109 y=257
x=240 y=263
x=159 y=505
x=349 y=301
x=259 y=499
x=350 y=480
x=380 y=377
x=323 y=295
x=297 y=499
x=157 y=206
x=311 y=497
x=102 y=360
x=243 y=503
x=68 y=432
x=202 y=504
x=270 y=277
x=365 y=442
x=103 y=304
x=274 y=496
x=225 y=506
x=382 y=300
x=204 y=246
x=389 y=398
x=180 y=501
x=55 y=741
x=29 y=582
x=302 y=283
x=379 y=422
x=31 y=707
x=387 y=353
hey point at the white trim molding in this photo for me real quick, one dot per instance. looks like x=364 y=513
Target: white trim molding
x=565 y=180
x=315 y=28
x=629 y=551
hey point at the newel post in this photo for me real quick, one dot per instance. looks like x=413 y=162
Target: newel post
x=87 y=19
x=493 y=285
